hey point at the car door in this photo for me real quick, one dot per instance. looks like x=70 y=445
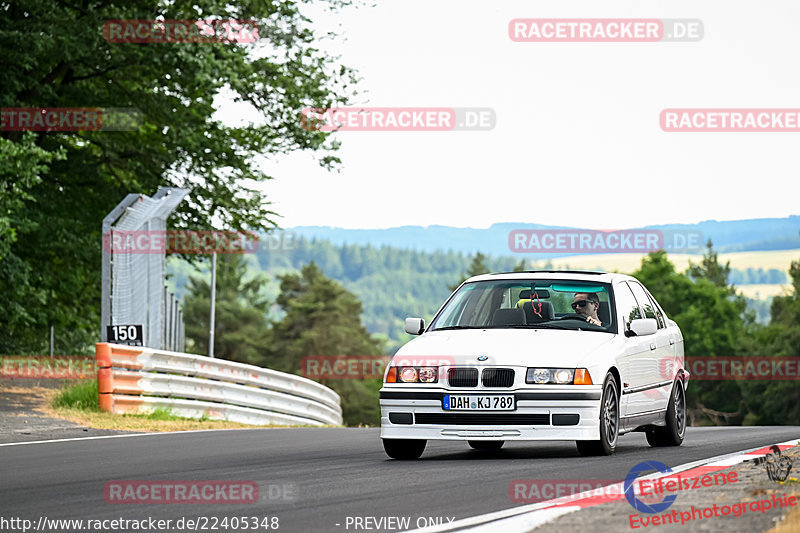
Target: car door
x=632 y=361
x=654 y=396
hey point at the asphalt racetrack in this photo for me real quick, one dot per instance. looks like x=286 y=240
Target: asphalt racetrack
x=318 y=479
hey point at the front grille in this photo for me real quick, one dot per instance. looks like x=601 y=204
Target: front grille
x=498 y=377
x=462 y=377
x=482 y=419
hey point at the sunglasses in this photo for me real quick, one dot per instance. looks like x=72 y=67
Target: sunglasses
x=580 y=303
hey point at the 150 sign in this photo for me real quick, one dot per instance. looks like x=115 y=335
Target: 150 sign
x=125 y=334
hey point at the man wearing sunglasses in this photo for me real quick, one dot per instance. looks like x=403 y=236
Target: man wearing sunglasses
x=586 y=305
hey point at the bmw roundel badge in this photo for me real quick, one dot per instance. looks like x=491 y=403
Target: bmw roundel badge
x=482 y=358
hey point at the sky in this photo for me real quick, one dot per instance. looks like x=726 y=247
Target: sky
x=577 y=140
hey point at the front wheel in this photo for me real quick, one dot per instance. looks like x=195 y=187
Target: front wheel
x=609 y=422
x=404 y=449
x=672 y=434
x=486 y=445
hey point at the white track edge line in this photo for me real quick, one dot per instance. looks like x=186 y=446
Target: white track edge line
x=98 y=437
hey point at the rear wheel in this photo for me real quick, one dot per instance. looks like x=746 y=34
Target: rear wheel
x=404 y=449
x=486 y=445
x=672 y=434
x=609 y=422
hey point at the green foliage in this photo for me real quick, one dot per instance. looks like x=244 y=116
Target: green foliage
x=83 y=396
x=323 y=318
x=776 y=402
x=710 y=318
x=396 y=283
x=476 y=267
x=56 y=187
x=714 y=323
x=240 y=326
x=317 y=317
x=710 y=269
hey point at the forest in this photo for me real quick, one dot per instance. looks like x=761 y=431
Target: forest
x=319 y=299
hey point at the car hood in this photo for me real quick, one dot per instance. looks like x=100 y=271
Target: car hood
x=521 y=347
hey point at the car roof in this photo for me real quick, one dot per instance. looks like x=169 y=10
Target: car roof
x=580 y=275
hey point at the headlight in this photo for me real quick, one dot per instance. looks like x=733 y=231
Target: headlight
x=559 y=376
x=408 y=374
x=412 y=374
x=428 y=374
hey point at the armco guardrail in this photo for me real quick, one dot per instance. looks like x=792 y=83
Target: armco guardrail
x=134 y=379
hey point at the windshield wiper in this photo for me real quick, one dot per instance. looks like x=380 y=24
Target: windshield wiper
x=457 y=327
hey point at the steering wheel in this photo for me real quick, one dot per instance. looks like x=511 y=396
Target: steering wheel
x=575 y=316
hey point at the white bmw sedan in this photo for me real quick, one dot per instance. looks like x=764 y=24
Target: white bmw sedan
x=544 y=355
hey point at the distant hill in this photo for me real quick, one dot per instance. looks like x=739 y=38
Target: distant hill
x=394 y=283
x=756 y=234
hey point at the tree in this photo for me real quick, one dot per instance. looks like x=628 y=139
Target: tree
x=323 y=318
x=54 y=55
x=241 y=331
x=776 y=402
x=476 y=268
x=711 y=269
x=712 y=325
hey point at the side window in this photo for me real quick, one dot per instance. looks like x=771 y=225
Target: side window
x=659 y=314
x=645 y=302
x=626 y=304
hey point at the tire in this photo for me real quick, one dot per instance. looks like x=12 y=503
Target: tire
x=609 y=422
x=673 y=433
x=404 y=449
x=486 y=445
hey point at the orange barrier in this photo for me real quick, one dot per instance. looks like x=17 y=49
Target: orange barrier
x=109 y=382
x=109 y=355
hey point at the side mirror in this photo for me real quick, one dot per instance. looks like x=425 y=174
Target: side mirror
x=415 y=326
x=642 y=326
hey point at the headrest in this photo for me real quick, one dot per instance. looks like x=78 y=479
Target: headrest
x=546 y=311
x=603 y=313
x=507 y=317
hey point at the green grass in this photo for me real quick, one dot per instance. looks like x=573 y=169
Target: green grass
x=161 y=413
x=82 y=396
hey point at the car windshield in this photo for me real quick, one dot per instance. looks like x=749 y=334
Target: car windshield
x=540 y=303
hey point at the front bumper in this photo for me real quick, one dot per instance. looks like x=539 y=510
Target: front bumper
x=542 y=413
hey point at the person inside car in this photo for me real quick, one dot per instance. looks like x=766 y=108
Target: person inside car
x=586 y=305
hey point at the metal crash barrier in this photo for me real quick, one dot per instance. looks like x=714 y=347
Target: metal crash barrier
x=138 y=380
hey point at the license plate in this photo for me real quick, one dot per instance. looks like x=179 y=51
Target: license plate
x=453 y=402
